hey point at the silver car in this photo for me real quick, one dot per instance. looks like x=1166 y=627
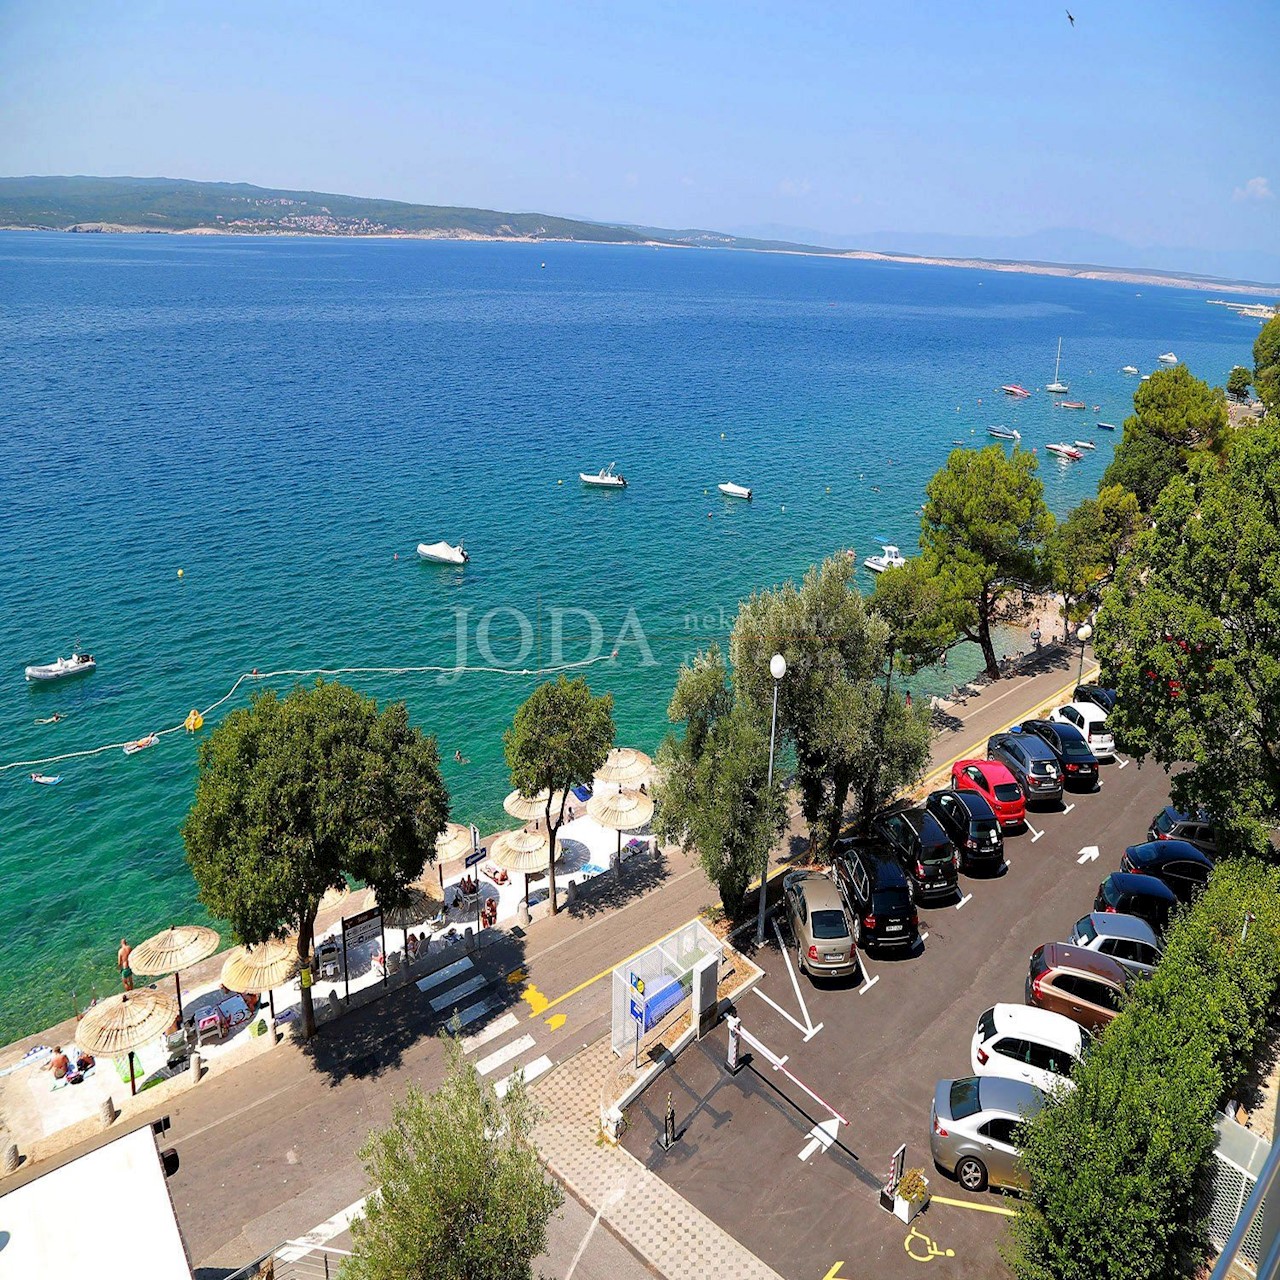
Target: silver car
x=974 y=1135
x=815 y=911
x=1125 y=938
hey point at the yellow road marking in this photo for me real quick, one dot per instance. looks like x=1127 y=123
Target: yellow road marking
x=931 y=1250
x=980 y=1208
x=516 y=975
x=556 y=1021
x=834 y=1273
x=537 y=1001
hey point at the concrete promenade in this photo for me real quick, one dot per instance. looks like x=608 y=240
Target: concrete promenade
x=268 y=1149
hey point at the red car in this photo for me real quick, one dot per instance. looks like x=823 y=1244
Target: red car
x=996 y=785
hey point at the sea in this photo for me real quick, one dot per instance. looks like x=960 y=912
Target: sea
x=218 y=454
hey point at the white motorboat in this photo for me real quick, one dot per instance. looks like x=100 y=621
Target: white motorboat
x=1084 y=444
x=1129 y=369
x=1107 y=426
x=606 y=478
x=1055 y=387
x=890 y=558
x=443 y=553
x=735 y=491
x=1068 y=451
x=1005 y=433
x=46 y=780
x=1168 y=358
x=76 y=665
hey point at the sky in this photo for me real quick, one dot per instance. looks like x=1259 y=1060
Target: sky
x=1151 y=123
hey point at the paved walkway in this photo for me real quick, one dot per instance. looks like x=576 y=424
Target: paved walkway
x=660 y=1225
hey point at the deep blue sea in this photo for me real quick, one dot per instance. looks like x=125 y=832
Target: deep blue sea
x=284 y=420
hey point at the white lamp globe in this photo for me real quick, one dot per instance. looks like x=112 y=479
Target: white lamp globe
x=1084 y=633
x=777 y=666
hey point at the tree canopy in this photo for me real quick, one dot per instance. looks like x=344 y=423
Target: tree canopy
x=982 y=533
x=1085 y=550
x=459 y=1191
x=911 y=603
x=1266 y=364
x=831 y=703
x=713 y=791
x=560 y=736
x=1190 y=635
x=294 y=795
x=1175 y=414
x=1238 y=382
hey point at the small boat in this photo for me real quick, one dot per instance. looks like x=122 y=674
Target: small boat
x=1013 y=389
x=1084 y=444
x=891 y=558
x=46 y=780
x=141 y=744
x=735 y=491
x=1129 y=369
x=1055 y=387
x=1004 y=433
x=443 y=553
x=606 y=478
x=1168 y=358
x=1072 y=404
x=1146 y=377
x=1065 y=451
x=1107 y=426
x=76 y=665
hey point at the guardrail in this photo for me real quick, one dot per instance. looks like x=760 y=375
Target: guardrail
x=1269 y=1249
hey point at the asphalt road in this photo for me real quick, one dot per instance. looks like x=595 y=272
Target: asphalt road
x=879 y=1053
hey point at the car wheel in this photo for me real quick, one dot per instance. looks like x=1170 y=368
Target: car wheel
x=971 y=1173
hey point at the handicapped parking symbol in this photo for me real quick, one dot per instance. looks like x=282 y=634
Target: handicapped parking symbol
x=930 y=1250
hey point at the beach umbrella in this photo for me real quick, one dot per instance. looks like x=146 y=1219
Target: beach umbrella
x=624 y=811
x=527 y=808
x=332 y=897
x=175 y=948
x=453 y=843
x=524 y=852
x=421 y=905
x=625 y=766
x=261 y=968
x=123 y=1023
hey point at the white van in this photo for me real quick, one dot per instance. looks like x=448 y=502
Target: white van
x=1091 y=720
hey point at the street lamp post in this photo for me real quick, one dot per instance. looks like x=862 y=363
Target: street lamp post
x=777 y=669
x=1082 y=634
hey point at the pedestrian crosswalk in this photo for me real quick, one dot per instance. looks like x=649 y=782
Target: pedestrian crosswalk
x=457 y=990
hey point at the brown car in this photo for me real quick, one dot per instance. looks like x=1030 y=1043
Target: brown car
x=1082 y=985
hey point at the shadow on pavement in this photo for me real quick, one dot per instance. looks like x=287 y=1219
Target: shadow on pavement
x=640 y=873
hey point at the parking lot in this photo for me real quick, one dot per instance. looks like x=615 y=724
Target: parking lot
x=873 y=1051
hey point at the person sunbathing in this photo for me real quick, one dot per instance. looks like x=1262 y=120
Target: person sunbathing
x=59 y=1064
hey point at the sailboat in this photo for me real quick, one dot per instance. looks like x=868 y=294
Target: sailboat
x=1055 y=387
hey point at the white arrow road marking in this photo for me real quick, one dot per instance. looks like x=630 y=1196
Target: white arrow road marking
x=1088 y=854
x=1068 y=809
x=963 y=900
x=822 y=1135
x=809 y=1029
x=808 y=1033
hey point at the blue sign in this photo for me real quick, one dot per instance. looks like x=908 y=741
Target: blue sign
x=637 y=1011
x=473 y=858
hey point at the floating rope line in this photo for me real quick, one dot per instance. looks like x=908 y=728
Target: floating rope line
x=260 y=676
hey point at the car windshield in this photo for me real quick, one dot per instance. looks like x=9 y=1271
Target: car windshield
x=1008 y=791
x=884 y=901
x=828 y=924
x=1085 y=930
x=964 y=1098
x=1164 y=823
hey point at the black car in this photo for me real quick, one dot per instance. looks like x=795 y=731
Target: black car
x=1095 y=693
x=923 y=848
x=971 y=824
x=1031 y=761
x=877 y=893
x=1079 y=764
x=1175 y=862
x=1132 y=895
x=1192 y=828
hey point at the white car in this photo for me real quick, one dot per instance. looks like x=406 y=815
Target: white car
x=1091 y=720
x=1034 y=1045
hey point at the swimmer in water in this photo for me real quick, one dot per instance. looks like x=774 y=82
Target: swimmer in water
x=53 y=719
x=460 y=758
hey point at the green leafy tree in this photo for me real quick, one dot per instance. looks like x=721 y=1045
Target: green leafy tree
x=1132 y=1156
x=296 y=794
x=1267 y=385
x=713 y=792
x=1238 y=382
x=460 y=1193
x=1187 y=633
x=983 y=533
x=921 y=629
x=560 y=737
x=1085 y=550
x=831 y=701
x=1175 y=414
x=1266 y=347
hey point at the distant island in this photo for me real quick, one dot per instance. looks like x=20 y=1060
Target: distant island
x=178 y=206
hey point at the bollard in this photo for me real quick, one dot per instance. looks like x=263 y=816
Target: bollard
x=11 y=1160
x=107 y=1112
x=469 y=938
x=522 y=915
x=668 y=1127
x=615 y=862
x=196 y=1063
x=571 y=892
x=271 y=1030
x=734 y=1058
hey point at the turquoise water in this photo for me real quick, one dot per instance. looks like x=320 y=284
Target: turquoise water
x=282 y=419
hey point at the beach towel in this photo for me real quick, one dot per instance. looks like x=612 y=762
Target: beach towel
x=582 y=793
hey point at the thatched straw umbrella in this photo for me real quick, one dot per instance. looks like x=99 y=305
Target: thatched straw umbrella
x=625 y=767
x=261 y=968
x=421 y=905
x=625 y=811
x=524 y=852
x=123 y=1023
x=177 y=947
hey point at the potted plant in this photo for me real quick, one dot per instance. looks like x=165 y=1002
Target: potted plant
x=911 y=1194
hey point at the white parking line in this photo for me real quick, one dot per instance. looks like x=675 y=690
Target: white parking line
x=963 y=900
x=1068 y=809
x=867 y=980
x=1121 y=764
x=504 y=1055
x=495 y=1029
x=1037 y=834
x=924 y=937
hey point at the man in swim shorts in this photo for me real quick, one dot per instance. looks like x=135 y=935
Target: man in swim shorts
x=122 y=960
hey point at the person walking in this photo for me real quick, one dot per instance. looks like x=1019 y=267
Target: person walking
x=907 y=699
x=1035 y=633
x=122 y=962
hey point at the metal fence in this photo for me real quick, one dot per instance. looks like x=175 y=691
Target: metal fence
x=1238 y=1158
x=295 y=1260
x=672 y=959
